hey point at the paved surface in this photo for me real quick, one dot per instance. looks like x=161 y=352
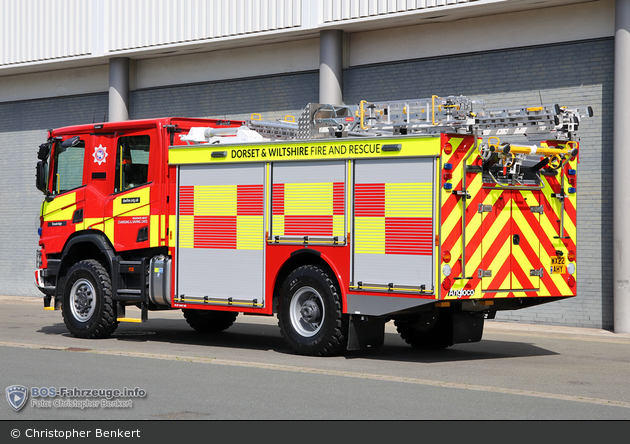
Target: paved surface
x=517 y=371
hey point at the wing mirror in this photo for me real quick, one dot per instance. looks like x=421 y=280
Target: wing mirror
x=41 y=177
x=73 y=141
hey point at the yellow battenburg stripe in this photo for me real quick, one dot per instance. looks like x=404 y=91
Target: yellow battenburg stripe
x=215 y=200
x=277 y=224
x=408 y=200
x=249 y=233
x=186 y=231
x=369 y=235
x=308 y=199
x=339 y=225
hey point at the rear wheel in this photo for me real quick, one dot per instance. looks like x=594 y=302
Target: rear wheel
x=208 y=321
x=88 y=308
x=430 y=330
x=310 y=315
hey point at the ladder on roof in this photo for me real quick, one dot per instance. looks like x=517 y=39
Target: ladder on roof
x=459 y=114
x=433 y=115
x=425 y=116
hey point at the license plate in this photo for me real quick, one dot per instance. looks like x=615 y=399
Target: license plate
x=558 y=265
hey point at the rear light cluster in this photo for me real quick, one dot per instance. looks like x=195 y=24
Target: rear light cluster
x=446 y=270
x=571 y=268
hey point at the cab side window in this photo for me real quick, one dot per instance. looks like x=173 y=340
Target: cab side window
x=132 y=162
x=68 y=169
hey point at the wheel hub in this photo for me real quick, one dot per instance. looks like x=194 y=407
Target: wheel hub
x=307 y=311
x=310 y=312
x=82 y=300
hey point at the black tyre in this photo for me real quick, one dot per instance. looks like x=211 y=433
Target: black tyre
x=88 y=308
x=430 y=331
x=310 y=315
x=208 y=321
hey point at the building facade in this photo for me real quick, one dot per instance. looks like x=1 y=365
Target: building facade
x=65 y=62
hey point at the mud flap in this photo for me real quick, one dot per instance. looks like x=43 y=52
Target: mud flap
x=467 y=327
x=365 y=332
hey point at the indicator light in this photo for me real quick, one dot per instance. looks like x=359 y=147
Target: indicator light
x=448 y=148
x=446 y=256
x=571 y=256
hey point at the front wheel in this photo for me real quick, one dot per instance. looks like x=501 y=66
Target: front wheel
x=88 y=308
x=310 y=315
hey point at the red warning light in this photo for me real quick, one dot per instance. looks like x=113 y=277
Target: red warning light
x=447 y=284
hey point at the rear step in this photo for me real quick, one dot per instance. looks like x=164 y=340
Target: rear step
x=124 y=295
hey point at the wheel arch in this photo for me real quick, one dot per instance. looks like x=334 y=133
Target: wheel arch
x=304 y=256
x=86 y=245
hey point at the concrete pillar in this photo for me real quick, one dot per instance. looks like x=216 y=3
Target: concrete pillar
x=330 y=67
x=118 y=89
x=621 y=161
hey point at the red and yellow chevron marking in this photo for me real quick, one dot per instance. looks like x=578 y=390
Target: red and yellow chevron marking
x=510 y=244
x=393 y=218
x=508 y=240
x=316 y=209
x=221 y=216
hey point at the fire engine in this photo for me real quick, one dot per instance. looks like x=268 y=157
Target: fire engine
x=432 y=213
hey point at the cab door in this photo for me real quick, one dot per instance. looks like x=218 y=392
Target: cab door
x=128 y=212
